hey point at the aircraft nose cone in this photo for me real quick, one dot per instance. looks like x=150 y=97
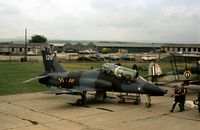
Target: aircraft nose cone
x=154 y=90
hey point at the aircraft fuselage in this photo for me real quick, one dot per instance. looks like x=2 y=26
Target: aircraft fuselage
x=102 y=81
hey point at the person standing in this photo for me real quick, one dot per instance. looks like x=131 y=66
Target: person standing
x=177 y=98
x=135 y=67
x=183 y=96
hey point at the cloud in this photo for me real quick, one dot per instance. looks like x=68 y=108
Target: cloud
x=127 y=20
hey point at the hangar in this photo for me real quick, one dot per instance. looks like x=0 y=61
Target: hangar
x=129 y=46
x=62 y=46
x=114 y=46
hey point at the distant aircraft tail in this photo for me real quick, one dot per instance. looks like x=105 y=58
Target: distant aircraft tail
x=154 y=71
x=51 y=64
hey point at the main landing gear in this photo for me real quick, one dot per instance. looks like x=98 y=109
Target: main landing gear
x=99 y=96
x=82 y=101
x=148 y=103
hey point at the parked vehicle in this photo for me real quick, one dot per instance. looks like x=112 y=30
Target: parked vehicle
x=128 y=57
x=149 y=58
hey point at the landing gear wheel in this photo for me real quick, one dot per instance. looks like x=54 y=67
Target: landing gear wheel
x=148 y=104
x=100 y=96
x=79 y=102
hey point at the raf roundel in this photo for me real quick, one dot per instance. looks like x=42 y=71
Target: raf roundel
x=187 y=74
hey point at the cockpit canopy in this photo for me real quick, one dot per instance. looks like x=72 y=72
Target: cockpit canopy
x=120 y=72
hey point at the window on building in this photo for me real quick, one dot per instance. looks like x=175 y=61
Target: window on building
x=179 y=49
x=29 y=49
x=183 y=49
x=198 y=49
x=194 y=49
x=189 y=49
x=13 y=49
x=20 y=49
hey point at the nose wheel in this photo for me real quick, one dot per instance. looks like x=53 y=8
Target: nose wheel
x=148 y=103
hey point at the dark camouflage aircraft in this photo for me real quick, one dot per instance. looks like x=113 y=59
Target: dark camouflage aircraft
x=110 y=77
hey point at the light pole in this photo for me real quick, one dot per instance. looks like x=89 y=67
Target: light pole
x=10 y=50
x=25 y=49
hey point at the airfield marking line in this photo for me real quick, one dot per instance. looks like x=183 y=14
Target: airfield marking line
x=71 y=120
x=40 y=112
x=30 y=121
x=168 y=114
x=105 y=109
x=196 y=120
x=84 y=122
x=153 y=117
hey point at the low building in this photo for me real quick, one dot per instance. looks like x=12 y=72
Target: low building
x=172 y=47
x=19 y=49
x=121 y=47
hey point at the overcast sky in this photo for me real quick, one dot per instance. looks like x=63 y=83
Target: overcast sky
x=116 y=20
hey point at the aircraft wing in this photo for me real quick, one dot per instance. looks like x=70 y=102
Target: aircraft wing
x=161 y=75
x=75 y=91
x=63 y=91
x=38 y=77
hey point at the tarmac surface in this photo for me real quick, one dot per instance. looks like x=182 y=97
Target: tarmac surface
x=39 y=111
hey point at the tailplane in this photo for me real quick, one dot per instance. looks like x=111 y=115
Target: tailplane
x=51 y=64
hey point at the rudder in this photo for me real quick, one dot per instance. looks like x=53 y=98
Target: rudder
x=51 y=64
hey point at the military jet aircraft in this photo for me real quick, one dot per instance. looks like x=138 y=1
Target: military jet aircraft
x=110 y=77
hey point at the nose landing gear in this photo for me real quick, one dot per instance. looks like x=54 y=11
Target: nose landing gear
x=148 y=103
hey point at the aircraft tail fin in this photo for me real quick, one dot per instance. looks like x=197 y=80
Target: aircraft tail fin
x=155 y=71
x=51 y=64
